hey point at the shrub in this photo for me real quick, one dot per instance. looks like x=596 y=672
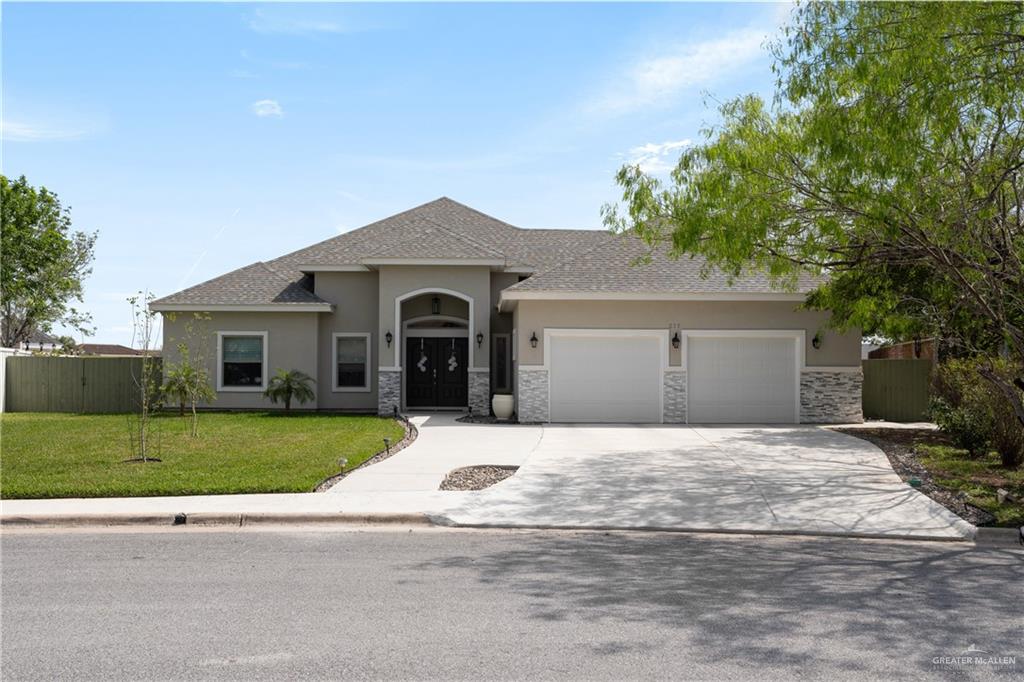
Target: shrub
x=974 y=413
x=289 y=384
x=959 y=406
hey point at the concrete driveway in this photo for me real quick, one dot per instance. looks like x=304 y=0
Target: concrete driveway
x=768 y=479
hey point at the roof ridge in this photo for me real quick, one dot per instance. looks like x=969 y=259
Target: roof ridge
x=477 y=211
x=565 y=263
x=464 y=237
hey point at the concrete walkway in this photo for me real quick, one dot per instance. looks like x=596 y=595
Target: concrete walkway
x=443 y=444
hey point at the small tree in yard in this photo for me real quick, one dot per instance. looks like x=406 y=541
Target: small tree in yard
x=188 y=380
x=288 y=384
x=147 y=380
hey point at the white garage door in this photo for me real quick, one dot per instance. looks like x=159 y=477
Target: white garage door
x=741 y=380
x=605 y=378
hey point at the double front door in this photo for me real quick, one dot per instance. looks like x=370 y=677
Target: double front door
x=436 y=372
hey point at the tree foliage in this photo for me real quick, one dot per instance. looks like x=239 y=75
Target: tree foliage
x=891 y=160
x=43 y=263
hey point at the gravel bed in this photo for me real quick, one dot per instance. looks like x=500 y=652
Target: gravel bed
x=476 y=477
x=898 y=446
x=483 y=419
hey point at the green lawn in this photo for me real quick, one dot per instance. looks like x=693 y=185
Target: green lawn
x=68 y=455
x=978 y=479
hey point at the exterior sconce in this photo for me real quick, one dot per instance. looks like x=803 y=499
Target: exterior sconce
x=479 y=339
x=435 y=306
x=676 y=341
x=917 y=348
x=533 y=340
x=389 y=337
x=816 y=341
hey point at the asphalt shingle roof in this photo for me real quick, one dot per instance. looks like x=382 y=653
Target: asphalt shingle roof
x=625 y=264
x=565 y=260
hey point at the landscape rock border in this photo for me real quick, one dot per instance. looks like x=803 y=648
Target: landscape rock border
x=411 y=433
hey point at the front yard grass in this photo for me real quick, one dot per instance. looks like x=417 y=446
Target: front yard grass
x=978 y=478
x=68 y=455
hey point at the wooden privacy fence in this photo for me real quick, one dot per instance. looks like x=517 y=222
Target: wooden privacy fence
x=68 y=384
x=897 y=390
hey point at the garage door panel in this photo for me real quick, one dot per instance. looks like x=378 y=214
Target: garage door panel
x=741 y=380
x=605 y=379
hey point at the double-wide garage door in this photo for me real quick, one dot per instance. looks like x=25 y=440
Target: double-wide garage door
x=619 y=378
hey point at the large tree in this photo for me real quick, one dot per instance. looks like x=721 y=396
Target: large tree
x=42 y=263
x=891 y=160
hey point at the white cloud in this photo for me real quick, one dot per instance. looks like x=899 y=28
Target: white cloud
x=16 y=131
x=656 y=79
x=267 y=108
x=656 y=157
x=280 y=20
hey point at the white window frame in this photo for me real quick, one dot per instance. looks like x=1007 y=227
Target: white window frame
x=508 y=360
x=221 y=388
x=335 y=388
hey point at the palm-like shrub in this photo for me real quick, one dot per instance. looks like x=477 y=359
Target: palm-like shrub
x=176 y=387
x=289 y=384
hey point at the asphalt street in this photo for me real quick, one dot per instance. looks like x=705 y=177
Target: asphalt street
x=457 y=604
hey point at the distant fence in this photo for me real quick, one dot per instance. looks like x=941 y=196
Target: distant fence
x=70 y=384
x=897 y=390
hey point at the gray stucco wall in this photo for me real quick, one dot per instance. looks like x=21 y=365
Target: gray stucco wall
x=534 y=316
x=398 y=280
x=291 y=344
x=354 y=295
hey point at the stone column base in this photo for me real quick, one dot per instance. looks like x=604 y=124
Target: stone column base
x=389 y=392
x=831 y=397
x=480 y=392
x=532 y=389
x=674 y=400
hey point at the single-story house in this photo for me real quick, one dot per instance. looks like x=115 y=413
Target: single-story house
x=441 y=306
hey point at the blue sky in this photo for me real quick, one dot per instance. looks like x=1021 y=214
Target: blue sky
x=198 y=138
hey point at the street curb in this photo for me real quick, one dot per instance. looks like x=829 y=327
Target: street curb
x=208 y=519
x=999 y=537
x=444 y=521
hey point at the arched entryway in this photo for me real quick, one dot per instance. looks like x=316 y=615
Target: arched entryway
x=435 y=348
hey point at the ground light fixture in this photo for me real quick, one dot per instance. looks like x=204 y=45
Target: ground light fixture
x=389 y=337
x=479 y=339
x=533 y=340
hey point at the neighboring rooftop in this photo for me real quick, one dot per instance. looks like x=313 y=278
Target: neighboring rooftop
x=107 y=349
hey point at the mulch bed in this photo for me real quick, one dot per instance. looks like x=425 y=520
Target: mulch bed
x=476 y=477
x=410 y=435
x=898 y=445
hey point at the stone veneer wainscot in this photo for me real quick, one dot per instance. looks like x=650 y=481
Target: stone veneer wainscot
x=831 y=397
x=532 y=399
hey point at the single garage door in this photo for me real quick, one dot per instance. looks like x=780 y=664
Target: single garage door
x=736 y=380
x=605 y=378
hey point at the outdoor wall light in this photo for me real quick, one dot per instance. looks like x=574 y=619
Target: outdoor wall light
x=676 y=341
x=479 y=339
x=389 y=337
x=816 y=341
x=533 y=340
x=435 y=305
